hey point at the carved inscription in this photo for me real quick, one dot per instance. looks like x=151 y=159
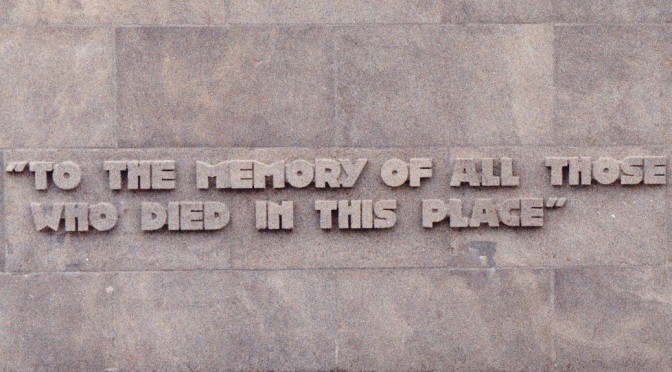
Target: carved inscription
x=332 y=212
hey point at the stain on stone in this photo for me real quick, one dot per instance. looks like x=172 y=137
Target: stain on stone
x=484 y=250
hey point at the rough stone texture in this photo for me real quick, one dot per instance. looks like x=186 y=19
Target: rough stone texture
x=631 y=220
x=233 y=85
x=126 y=247
x=57 y=87
x=498 y=11
x=609 y=11
x=338 y=11
x=438 y=85
x=613 y=318
x=114 y=12
x=610 y=85
x=56 y=321
x=225 y=320
x=445 y=320
x=214 y=80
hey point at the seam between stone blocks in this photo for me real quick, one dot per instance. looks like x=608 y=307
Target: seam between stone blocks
x=229 y=24
x=554 y=357
x=117 y=116
x=3 y=210
x=354 y=148
x=339 y=269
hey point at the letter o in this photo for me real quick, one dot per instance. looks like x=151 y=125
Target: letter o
x=67 y=175
x=299 y=173
x=394 y=172
x=606 y=170
x=103 y=216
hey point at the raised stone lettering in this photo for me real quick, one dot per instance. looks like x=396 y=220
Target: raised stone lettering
x=419 y=168
x=300 y=173
x=241 y=173
x=40 y=169
x=47 y=219
x=394 y=172
x=655 y=170
x=326 y=207
x=67 y=175
x=274 y=216
x=352 y=171
x=349 y=214
x=153 y=216
x=103 y=216
x=464 y=171
x=275 y=171
x=215 y=215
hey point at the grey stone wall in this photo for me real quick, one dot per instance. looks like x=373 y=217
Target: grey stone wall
x=116 y=79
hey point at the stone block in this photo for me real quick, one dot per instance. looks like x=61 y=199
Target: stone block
x=235 y=320
x=609 y=11
x=56 y=321
x=498 y=11
x=234 y=84
x=57 y=87
x=115 y=12
x=445 y=320
x=598 y=225
x=338 y=11
x=439 y=85
x=239 y=244
x=610 y=85
x=613 y=318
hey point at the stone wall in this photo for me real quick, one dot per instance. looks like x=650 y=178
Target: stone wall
x=95 y=80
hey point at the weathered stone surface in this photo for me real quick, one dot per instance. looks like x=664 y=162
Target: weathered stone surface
x=599 y=224
x=239 y=245
x=608 y=11
x=611 y=318
x=562 y=241
x=57 y=87
x=226 y=320
x=439 y=85
x=338 y=11
x=498 y=11
x=445 y=320
x=115 y=12
x=610 y=85
x=234 y=84
x=56 y=321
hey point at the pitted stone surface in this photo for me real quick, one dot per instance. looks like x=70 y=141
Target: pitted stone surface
x=502 y=318
x=56 y=321
x=57 y=88
x=437 y=85
x=610 y=84
x=613 y=318
x=193 y=169
x=233 y=85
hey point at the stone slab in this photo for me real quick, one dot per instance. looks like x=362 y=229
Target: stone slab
x=599 y=225
x=445 y=320
x=114 y=12
x=610 y=210
x=338 y=11
x=56 y=322
x=606 y=11
x=498 y=11
x=610 y=84
x=443 y=85
x=234 y=320
x=234 y=84
x=57 y=88
x=613 y=318
x=239 y=245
